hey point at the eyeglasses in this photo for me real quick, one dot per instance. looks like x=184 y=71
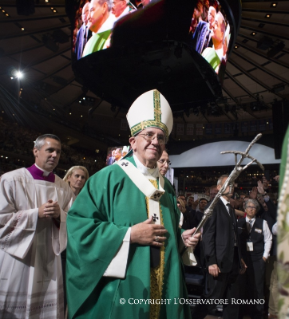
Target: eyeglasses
x=251 y=207
x=162 y=162
x=151 y=136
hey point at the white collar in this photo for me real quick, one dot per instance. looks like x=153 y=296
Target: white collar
x=154 y=172
x=220 y=53
x=45 y=173
x=225 y=202
x=125 y=11
x=108 y=24
x=253 y=219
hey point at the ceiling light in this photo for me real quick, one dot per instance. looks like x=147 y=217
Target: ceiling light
x=11 y=77
x=7 y=15
x=274 y=4
x=54 y=11
x=69 y=113
x=236 y=47
x=46 y=0
x=22 y=29
x=253 y=34
x=81 y=115
x=3 y=11
x=268 y=16
x=19 y=74
x=51 y=8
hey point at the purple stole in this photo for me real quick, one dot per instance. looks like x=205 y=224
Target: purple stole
x=38 y=174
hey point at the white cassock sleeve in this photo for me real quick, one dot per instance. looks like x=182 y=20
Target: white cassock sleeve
x=117 y=267
x=17 y=227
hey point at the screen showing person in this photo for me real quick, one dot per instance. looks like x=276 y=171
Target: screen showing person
x=208 y=32
x=115 y=153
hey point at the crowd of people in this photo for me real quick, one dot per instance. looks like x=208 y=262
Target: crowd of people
x=254 y=224
x=17 y=143
x=128 y=235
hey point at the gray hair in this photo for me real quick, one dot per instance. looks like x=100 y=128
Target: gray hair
x=220 y=180
x=109 y=3
x=254 y=202
x=39 y=142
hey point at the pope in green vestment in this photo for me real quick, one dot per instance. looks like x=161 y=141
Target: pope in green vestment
x=107 y=206
x=124 y=240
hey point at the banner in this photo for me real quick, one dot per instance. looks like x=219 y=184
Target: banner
x=253 y=126
x=244 y=127
x=199 y=129
x=209 y=129
x=218 y=128
x=180 y=129
x=190 y=129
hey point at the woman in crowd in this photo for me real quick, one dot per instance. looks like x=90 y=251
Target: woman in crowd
x=76 y=177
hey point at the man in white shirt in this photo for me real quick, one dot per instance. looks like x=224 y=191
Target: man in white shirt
x=256 y=241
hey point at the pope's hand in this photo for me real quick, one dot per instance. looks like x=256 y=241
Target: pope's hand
x=189 y=240
x=147 y=233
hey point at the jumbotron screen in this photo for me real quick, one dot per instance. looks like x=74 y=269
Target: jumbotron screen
x=115 y=153
x=209 y=32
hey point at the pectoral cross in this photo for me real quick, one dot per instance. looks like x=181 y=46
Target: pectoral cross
x=157 y=195
x=155 y=217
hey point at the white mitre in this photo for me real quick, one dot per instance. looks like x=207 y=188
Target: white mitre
x=150 y=109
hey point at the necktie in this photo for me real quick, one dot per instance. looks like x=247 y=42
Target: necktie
x=250 y=225
x=85 y=36
x=232 y=213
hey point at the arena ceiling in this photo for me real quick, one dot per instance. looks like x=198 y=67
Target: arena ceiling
x=39 y=45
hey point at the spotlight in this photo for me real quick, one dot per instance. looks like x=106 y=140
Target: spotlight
x=19 y=74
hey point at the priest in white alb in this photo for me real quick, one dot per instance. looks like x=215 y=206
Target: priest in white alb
x=33 y=208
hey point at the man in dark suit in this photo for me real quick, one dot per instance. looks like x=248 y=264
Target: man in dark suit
x=222 y=254
x=83 y=33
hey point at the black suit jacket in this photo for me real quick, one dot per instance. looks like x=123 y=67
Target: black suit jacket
x=218 y=239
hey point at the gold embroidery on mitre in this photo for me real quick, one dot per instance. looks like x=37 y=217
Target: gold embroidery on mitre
x=157 y=106
x=157 y=273
x=156 y=122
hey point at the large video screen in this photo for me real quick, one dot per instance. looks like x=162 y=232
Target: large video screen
x=208 y=33
x=115 y=153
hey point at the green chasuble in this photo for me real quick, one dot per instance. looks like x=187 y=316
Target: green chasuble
x=212 y=57
x=106 y=207
x=96 y=42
